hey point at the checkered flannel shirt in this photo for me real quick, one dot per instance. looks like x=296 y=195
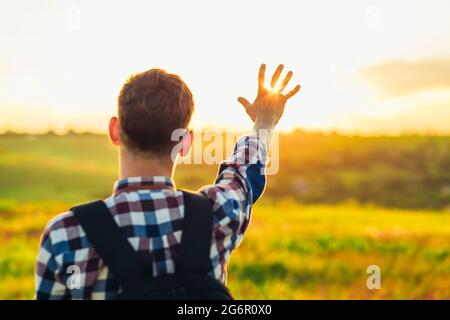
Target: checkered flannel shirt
x=152 y=221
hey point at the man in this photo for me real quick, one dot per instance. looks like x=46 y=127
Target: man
x=145 y=203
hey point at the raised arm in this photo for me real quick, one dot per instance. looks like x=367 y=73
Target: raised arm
x=241 y=179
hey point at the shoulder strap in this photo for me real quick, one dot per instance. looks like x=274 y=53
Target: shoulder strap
x=125 y=264
x=112 y=245
x=197 y=234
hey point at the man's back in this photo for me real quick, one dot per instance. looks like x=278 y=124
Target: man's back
x=150 y=211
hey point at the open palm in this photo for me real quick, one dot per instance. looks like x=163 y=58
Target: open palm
x=270 y=102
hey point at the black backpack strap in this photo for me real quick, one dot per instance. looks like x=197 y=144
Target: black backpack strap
x=112 y=245
x=197 y=234
x=127 y=267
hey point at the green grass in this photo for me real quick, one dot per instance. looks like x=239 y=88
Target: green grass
x=322 y=252
x=292 y=250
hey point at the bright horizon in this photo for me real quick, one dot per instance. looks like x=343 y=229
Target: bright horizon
x=367 y=67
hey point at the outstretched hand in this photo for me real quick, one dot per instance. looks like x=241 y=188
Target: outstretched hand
x=269 y=104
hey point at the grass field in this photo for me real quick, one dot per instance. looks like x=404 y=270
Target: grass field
x=292 y=250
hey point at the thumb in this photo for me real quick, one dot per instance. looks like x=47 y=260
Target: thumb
x=245 y=103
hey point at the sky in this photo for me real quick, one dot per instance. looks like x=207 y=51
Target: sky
x=364 y=66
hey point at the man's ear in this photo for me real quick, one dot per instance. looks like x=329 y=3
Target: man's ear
x=188 y=138
x=114 y=129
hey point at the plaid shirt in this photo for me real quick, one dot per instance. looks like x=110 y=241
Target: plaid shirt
x=152 y=220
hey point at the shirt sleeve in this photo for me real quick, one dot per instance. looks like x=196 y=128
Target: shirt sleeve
x=240 y=182
x=48 y=283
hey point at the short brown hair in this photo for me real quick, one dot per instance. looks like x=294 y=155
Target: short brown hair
x=151 y=105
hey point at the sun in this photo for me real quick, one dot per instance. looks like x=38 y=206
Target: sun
x=275 y=89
